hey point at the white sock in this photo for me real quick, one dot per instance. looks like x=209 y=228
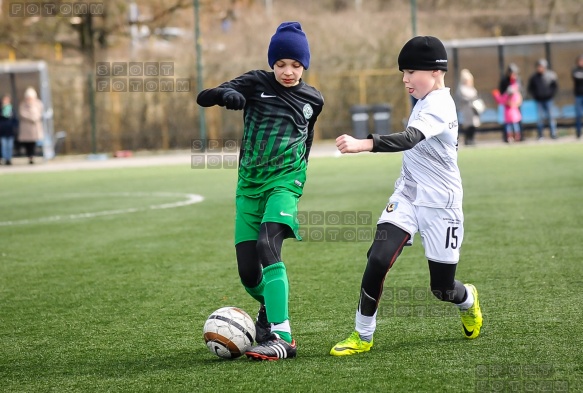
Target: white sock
x=365 y=326
x=469 y=302
x=281 y=327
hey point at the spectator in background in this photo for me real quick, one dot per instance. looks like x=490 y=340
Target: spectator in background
x=466 y=95
x=31 y=122
x=511 y=99
x=578 y=87
x=543 y=86
x=7 y=128
x=511 y=74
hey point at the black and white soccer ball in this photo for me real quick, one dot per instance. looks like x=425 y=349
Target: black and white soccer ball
x=229 y=332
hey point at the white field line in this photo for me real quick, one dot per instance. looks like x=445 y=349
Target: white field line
x=187 y=199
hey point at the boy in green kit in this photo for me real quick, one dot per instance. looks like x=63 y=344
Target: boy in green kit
x=280 y=111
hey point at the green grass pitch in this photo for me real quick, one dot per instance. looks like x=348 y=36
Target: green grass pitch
x=99 y=292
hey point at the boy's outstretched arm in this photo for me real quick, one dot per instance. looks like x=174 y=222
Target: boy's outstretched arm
x=375 y=143
x=222 y=96
x=347 y=144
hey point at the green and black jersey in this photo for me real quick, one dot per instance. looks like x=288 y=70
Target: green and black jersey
x=278 y=130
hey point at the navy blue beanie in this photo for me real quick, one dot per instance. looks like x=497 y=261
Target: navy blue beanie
x=289 y=42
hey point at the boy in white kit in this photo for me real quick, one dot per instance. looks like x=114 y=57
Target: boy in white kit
x=427 y=198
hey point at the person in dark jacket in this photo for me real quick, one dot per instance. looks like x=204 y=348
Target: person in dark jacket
x=543 y=86
x=578 y=87
x=7 y=129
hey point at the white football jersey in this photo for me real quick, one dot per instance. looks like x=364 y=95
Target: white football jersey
x=430 y=175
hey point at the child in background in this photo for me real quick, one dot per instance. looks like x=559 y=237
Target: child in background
x=511 y=99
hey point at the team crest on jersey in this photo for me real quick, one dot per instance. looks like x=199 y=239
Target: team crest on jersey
x=391 y=207
x=308 y=111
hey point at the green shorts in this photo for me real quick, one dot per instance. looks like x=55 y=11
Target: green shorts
x=276 y=205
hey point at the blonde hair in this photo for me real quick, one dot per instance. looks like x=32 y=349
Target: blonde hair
x=30 y=93
x=466 y=77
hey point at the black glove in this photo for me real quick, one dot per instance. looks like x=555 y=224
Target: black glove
x=234 y=100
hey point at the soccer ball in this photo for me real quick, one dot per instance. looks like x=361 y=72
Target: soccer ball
x=229 y=332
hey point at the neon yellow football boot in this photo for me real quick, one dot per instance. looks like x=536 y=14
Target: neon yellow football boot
x=472 y=317
x=351 y=345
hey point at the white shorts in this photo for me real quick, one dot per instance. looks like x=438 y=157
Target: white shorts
x=441 y=230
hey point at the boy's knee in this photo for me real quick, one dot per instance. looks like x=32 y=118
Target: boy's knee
x=379 y=261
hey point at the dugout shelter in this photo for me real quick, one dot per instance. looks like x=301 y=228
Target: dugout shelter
x=488 y=58
x=15 y=77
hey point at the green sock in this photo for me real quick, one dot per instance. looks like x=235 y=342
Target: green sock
x=285 y=336
x=276 y=292
x=257 y=292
